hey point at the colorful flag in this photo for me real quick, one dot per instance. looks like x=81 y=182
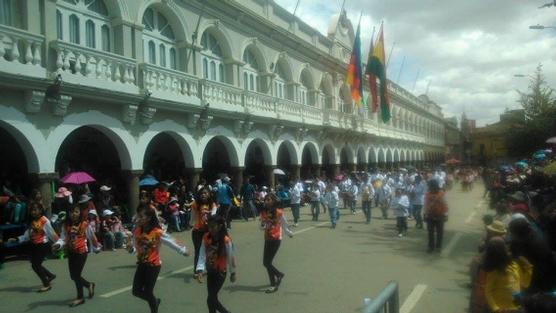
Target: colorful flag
x=355 y=72
x=376 y=66
x=372 y=79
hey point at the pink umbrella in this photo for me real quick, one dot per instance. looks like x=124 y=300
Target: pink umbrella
x=77 y=178
x=339 y=177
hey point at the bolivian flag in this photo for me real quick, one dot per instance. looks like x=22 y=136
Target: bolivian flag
x=376 y=69
x=355 y=72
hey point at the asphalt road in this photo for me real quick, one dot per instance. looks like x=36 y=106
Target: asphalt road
x=327 y=270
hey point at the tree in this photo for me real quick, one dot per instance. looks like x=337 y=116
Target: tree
x=540 y=118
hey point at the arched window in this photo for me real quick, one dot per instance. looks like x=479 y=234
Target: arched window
x=280 y=82
x=159 y=31
x=90 y=40
x=205 y=69
x=245 y=81
x=304 y=88
x=252 y=69
x=90 y=15
x=212 y=52
x=105 y=30
x=6 y=12
x=74 y=28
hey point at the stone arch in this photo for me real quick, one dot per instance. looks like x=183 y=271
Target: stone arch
x=287 y=159
x=27 y=137
x=214 y=163
x=221 y=34
x=381 y=156
x=306 y=73
x=373 y=157
x=396 y=155
x=253 y=45
x=257 y=157
x=169 y=9
x=328 y=160
x=309 y=159
x=283 y=60
x=347 y=158
x=107 y=125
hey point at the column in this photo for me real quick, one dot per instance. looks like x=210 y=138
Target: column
x=317 y=169
x=270 y=176
x=193 y=176
x=336 y=169
x=132 y=177
x=45 y=181
x=125 y=35
x=352 y=167
x=237 y=177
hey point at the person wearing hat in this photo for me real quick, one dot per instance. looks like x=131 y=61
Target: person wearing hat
x=224 y=195
x=400 y=208
x=108 y=238
x=105 y=199
x=86 y=204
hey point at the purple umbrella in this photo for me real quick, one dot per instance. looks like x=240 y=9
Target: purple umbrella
x=77 y=178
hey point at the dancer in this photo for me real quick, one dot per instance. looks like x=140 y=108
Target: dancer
x=147 y=236
x=216 y=258
x=75 y=234
x=436 y=214
x=203 y=207
x=331 y=199
x=272 y=222
x=39 y=232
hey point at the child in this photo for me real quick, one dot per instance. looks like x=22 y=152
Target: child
x=216 y=258
x=203 y=207
x=39 y=232
x=504 y=277
x=273 y=222
x=148 y=235
x=75 y=235
x=331 y=199
x=400 y=208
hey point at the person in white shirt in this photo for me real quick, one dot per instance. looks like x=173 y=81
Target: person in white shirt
x=417 y=192
x=314 y=194
x=322 y=189
x=383 y=194
x=331 y=199
x=400 y=208
x=295 y=201
x=353 y=192
x=367 y=195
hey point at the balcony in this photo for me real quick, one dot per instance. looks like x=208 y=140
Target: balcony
x=259 y=104
x=21 y=52
x=220 y=96
x=169 y=84
x=95 y=68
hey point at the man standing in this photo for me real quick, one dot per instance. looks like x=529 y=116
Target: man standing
x=417 y=199
x=224 y=195
x=247 y=194
x=295 y=200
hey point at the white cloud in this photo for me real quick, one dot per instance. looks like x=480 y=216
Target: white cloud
x=469 y=51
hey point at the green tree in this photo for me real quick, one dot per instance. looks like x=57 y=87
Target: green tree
x=540 y=118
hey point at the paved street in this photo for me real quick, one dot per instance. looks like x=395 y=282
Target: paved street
x=327 y=271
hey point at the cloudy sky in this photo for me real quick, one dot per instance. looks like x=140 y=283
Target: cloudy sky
x=466 y=51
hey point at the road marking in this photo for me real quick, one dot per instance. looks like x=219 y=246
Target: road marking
x=128 y=288
x=310 y=228
x=452 y=244
x=185 y=269
x=413 y=298
x=470 y=217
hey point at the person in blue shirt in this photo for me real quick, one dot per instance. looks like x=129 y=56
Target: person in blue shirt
x=224 y=195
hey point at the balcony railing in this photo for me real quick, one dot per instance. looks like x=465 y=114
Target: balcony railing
x=94 y=67
x=221 y=96
x=168 y=84
x=17 y=48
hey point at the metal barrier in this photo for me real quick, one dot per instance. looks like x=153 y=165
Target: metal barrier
x=387 y=300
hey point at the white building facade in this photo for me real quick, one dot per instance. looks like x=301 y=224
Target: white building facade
x=190 y=87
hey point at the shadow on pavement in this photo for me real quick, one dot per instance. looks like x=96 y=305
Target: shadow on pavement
x=257 y=289
x=37 y=304
x=17 y=289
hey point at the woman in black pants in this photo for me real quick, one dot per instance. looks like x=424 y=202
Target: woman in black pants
x=75 y=234
x=272 y=222
x=201 y=209
x=216 y=258
x=39 y=232
x=436 y=214
x=147 y=236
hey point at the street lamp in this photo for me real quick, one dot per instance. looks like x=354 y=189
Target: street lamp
x=541 y=27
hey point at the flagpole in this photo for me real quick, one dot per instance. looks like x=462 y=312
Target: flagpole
x=427 y=90
x=390 y=55
x=400 y=72
x=416 y=78
x=293 y=16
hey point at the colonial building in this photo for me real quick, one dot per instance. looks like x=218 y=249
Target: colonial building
x=171 y=87
x=454 y=139
x=489 y=142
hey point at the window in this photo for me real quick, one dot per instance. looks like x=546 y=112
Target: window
x=212 y=53
x=90 y=14
x=152 y=53
x=59 y=25
x=159 y=31
x=251 y=68
x=6 y=12
x=162 y=53
x=245 y=81
x=251 y=82
x=90 y=34
x=173 y=59
x=205 y=68
x=105 y=30
x=74 y=28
